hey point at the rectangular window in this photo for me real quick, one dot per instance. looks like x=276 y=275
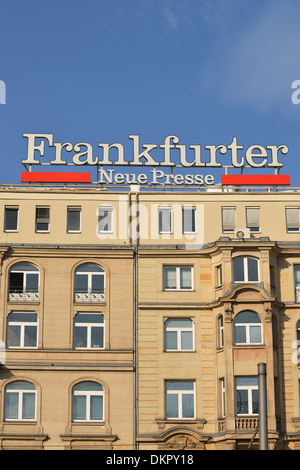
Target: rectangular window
x=11 y=216
x=179 y=334
x=292 y=219
x=105 y=219
x=253 y=218
x=228 y=219
x=73 y=219
x=246 y=393
x=180 y=400
x=164 y=219
x=42 y=219
x=88 y=330
x=219 y=280
x=178 y=278
x=22 y=330
x=297 y=282
x=223 y=401
x=188 y=220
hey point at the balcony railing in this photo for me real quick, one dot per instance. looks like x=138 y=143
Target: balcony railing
x=249 y=423
x=90 y=297
x=23 y=296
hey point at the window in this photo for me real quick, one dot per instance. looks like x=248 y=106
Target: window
x=178 y=278
x=245 y=269
x=105 y=219
x=253 y=218
x=23 y=283
x=188 y=220
x=164 y=219
x=180 y=400
x=20 y=401
x=89 y=283
x=246 y=393
x=89 y=330
x=179 y=334
x=297 y=282
x=73 y=219
x=247 y=328
x=220 y=342
x=11 y=216
x=42 y=219
x=22 y=330
x=88 y=402
x=219 y=280
x=223 y=401
x=292 y=219
x=228 y=219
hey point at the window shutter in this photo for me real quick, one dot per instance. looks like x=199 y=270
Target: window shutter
x=253 y=218
x=228 y=218
x=292 y=218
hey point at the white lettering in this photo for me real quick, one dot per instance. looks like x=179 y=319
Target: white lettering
x=39 y=148
x=295 y=95
x=88 y=153
x=145 y=153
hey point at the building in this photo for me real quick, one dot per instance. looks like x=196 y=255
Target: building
x=136 y=318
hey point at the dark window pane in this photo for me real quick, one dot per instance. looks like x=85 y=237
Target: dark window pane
x=11 y=219
x=16 y=282
x=252 y=270
x=238 y=270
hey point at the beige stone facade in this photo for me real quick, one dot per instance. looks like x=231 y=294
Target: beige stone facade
x=136 y=319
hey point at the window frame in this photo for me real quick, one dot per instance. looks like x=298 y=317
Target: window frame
x=163 y=210
x=15 y=208
x=247 y=327
x=109 y=210
x=25 y=295
x=180 y=394
x=100 y=296
x=177 y=278
x=76 y=209
x=253 y=228
x=296 y=267
x=21 y=392
x=36 y=219
x=88 y=394
x=178 y=330
x=223 y=210
x=245 y=269
x=193 y=210
x=89 y=326
x=250 y=389
x=291 y=230
x=22 y=325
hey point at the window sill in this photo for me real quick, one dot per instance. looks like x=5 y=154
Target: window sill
x=180 y=421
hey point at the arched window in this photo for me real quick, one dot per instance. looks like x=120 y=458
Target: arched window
x=20 y=401
x=23 y=283
x=245 y=269
x=247 y=328
x=88 y=402
x=89 y=283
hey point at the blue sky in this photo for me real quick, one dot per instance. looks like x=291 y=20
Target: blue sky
x=100 y=70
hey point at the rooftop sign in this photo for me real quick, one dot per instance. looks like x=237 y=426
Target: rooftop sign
x=147 y=155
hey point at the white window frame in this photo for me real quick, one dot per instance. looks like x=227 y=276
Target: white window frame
x=163 y=210
x=74 y=209
x=89 y=296
x=22 y=325
x=88 y=394
x=24 y=296
x=297 y=286
x=20 y=393
x=110 y=211
x=221 y=331
x=245 y=269
x=179 y=330
x=250 y=389
x=36 y=219
x=253 y=228
x=89 y=326
x=289 y=230
x=180 y=393
x=178 y=288
x=223 y=397
x=6 y=230
x=247 y=327
x=193 y=210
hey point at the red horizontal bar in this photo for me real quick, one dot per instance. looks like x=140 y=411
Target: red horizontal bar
x=54 y=177
x=256 y=179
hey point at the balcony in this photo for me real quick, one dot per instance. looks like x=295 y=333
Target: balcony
x=23 y=296
x=249 y=423
x=90 y=297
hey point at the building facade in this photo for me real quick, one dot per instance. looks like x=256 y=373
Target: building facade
x=135 y=319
